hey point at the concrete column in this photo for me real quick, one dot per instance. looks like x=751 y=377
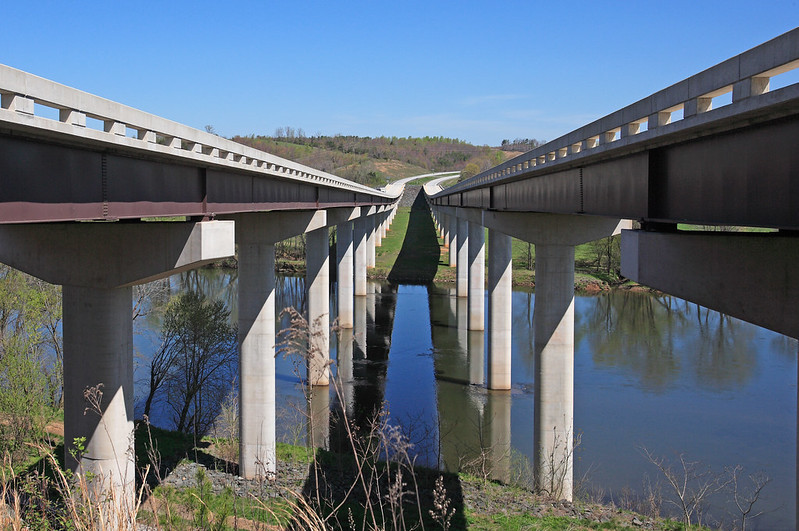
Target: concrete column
x=445 y=232
x=359 y=257
x=98 y=354
x=378 y=229
x=476 y=293
x=345 y=275
x=453 y=241
x=370 y=241
x=553 y=329
x=499 y=310
x=256 y=279
x=318 y=286
x=97 y=325
x=462 y=273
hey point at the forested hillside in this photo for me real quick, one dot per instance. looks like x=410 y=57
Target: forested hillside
x=373 y=161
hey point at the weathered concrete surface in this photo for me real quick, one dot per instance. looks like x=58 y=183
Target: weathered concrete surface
x=749 y=276
x=476 y=273
x=318 y=286
x=345 y=276
x=500 y=283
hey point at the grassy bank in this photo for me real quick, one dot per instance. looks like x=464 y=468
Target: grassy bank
x=318 y=489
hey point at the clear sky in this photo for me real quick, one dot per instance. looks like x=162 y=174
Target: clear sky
x=478 y=71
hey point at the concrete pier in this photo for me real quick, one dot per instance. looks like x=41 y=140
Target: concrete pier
x=318 y=286
x=499 y=310
x=98 y=332
x=359 y=332
x=256 y=235
x=345 y=274
x=100 y=360
x=476 y=292
x=256 y=262
x=370 y=241
x=462 y=265
x=553 y=323
x=359 y=257
x=453 y=240
x=378 y=219
x=554 y=236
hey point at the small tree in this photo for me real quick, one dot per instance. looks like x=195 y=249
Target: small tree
x=196 y=360
x=469 y=171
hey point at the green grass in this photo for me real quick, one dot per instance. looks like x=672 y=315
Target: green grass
x=198 y=507
x=719 y=228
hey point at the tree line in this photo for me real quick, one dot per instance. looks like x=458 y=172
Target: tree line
x=360 y=158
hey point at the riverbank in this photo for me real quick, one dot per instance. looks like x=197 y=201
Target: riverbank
x=474 y=503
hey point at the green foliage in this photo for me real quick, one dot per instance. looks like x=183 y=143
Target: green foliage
x=30 y=360
x=365 y=159
x=469 y=171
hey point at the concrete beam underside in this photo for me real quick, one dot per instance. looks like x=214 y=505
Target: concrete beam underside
x=746 y=275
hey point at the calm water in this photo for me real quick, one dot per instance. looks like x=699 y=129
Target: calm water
x=650 y=372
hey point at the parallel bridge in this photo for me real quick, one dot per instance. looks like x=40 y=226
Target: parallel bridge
x=675 y=157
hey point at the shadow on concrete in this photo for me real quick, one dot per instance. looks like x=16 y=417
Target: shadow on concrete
x=418 y=258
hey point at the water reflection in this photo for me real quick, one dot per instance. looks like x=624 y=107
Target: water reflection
x=650 y=371
x=662 y=340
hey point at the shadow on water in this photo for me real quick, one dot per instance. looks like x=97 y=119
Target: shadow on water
x=417 y=261
x=357 y=408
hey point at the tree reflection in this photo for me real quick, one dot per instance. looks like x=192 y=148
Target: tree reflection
x=658 y=337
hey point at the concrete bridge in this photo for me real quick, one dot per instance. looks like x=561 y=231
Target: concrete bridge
x=80 y=176
x=675 y=157
x=67 y=157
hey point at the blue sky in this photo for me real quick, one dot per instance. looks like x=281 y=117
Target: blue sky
x=478 y=71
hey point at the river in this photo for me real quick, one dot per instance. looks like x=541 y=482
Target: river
x=652 y=372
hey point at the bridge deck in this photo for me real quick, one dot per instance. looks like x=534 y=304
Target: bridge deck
x=732 y=165
x=132 y=164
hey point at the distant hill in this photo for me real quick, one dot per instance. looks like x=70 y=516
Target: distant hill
x=373 y=161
